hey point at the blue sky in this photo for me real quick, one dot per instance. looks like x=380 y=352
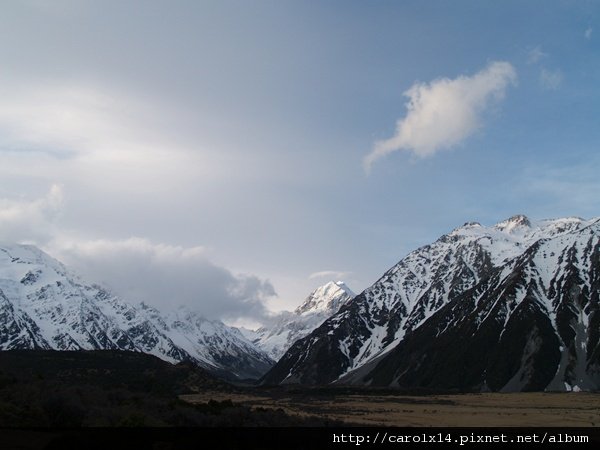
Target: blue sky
x=220 y=148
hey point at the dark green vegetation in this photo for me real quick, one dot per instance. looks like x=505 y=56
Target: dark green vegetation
x=117 y=388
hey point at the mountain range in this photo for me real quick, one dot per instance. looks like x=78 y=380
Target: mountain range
x=44 y=305
x=511 y=307
x=508 y=307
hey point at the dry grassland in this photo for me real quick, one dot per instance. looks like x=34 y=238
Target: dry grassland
x=479 y=410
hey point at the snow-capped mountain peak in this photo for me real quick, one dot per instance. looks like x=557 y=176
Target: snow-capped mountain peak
x=327 y=298
x=516 y=223
x=287 y=327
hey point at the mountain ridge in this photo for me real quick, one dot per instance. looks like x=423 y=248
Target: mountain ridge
x=418 y=290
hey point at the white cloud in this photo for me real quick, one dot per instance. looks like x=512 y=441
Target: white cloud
x=443 y=113
x=30 y=221
x=334 y=275
x=588 y=33
x=551 y=79
x=535 y=55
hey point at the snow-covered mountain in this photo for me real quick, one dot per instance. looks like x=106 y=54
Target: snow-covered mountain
x=287 y=327
x=43 y=305
x=509 y=307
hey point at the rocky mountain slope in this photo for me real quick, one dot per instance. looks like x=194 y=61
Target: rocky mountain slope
x=508 y=308
x=43 y=305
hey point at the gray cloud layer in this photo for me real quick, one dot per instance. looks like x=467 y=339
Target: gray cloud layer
x=168 y=276
x=162 y=275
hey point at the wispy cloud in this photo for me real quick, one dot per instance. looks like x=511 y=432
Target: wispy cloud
x=89 y=134
x=334 y=275
x=588 y=33
x=535 y=55
x=445 y=112
x=551 y=79
x=87 y=122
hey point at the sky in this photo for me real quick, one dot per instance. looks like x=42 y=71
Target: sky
x=234 y=155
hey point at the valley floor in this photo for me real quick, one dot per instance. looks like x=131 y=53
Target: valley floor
x=388 y=409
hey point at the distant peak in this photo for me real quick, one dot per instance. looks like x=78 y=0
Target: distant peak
x=465 y=228
x=328 y=297
x=344 y=287
x=471 y=225
x=514 y=222
x=520 y=219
